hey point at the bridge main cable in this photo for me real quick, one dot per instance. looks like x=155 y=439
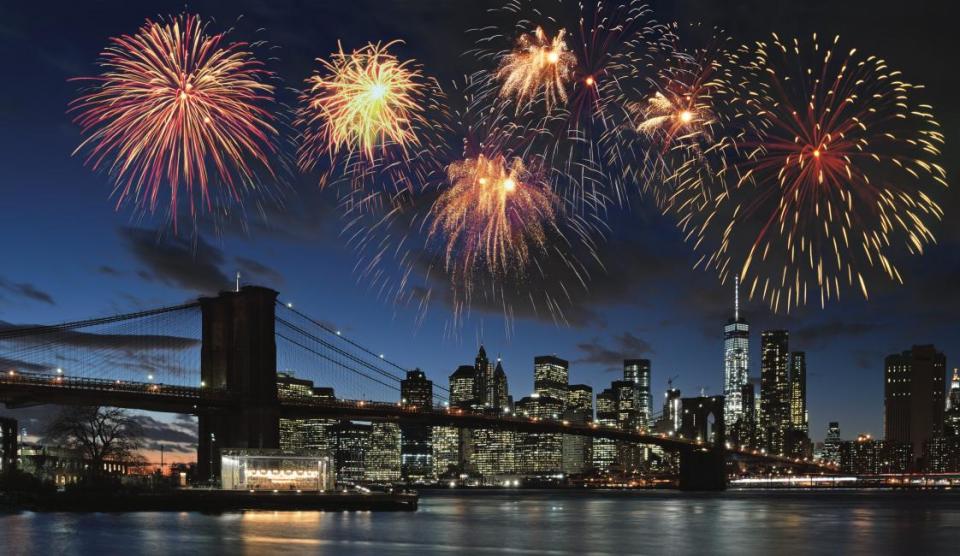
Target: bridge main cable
x=41 y=329
x=339 y=336
x=338 y=363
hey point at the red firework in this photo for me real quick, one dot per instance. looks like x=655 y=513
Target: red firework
x=174 y=107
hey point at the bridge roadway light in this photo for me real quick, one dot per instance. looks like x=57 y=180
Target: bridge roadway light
x=59 y=371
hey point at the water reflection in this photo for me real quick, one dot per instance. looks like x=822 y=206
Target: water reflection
x=527 y=523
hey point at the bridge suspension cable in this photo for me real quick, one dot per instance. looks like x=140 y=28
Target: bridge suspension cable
x=40 y=329
x=337 y=336
x=160 y=345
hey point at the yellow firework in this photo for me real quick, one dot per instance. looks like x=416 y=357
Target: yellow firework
x=493 y=214
x=672 y=118
x=538 y=65
x=360 y=103
x=839 y=175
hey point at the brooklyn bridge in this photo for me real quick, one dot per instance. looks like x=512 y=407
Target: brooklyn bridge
x=218 y=357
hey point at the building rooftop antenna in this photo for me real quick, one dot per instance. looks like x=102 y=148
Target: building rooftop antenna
x=736 y=298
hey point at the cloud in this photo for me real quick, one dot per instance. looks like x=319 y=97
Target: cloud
x=625 y=346
x=25 y=290
x=160 y=431
x=44 y=348
x=818 y=334
x=54 y=336
x=109 y=271
x=259 y=271
x=175 y=261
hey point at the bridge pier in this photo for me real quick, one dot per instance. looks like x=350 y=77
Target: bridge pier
x=703 y=469
x=239 y=355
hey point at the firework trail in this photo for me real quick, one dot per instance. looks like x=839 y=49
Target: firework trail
x=376 y=119
x=176 y=108
x=561 y=69
x=838 y=172
x=681 y=125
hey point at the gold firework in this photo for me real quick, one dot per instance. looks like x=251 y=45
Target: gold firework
x=538 y=65
x=361 y=102
x=672 y=118
x=494 y=212
x=840 y=172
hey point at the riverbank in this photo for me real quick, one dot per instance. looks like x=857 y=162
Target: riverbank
x=215 y=501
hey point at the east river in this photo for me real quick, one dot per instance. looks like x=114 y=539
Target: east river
x=528 y=522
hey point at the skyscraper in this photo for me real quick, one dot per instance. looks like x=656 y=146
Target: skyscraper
x=914 y=396
x=797 y=440
x=492 y=451
x=416 y=451
x=580 y=398
x=500 y=393
x=352 y=444
x=551 y=377
x=577 y=449
x=461 y=387
x=483 y=381
x=382 y=454
x=446 y=451
x=798 y=391
x=951 y=419
x=637 y=371
x=298 y=435
x=736 y=358
x=605 y=449
x=831 y=444
x=774 y=389
x=416 y=390
x=672 y=416
x=539 y=453
x=746 y=431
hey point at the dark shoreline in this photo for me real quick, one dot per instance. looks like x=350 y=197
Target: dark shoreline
x=214 y=501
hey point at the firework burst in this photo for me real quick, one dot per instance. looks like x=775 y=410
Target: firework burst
x=361 y=102
x=176 y=107
x=681 y=126
x=838 y=173
x=379 y=122
x=493 y=214
x=538 y=67
x=568 y=86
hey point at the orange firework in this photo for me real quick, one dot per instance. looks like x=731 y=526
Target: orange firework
x=493 y=213
x=537 y=66
x=178 y=107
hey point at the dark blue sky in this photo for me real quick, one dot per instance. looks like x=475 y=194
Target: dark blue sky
x=68 y=255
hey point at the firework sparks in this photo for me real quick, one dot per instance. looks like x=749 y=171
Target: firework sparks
x=538 y=67
x=840 y=172
x=361 y=102
x=675 y=118
x=493 y=213
x=177 y=107
x=683 y=124
x=566 y=89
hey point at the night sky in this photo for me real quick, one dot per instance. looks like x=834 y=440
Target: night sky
x=68 y=255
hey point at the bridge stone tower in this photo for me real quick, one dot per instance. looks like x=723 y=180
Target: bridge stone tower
x=239 y=355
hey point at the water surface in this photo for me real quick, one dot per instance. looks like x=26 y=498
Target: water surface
x=528 y=522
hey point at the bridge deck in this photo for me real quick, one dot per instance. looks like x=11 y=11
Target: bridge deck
x=23 y=389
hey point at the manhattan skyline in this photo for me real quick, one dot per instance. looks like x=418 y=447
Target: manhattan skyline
x=70 y=255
